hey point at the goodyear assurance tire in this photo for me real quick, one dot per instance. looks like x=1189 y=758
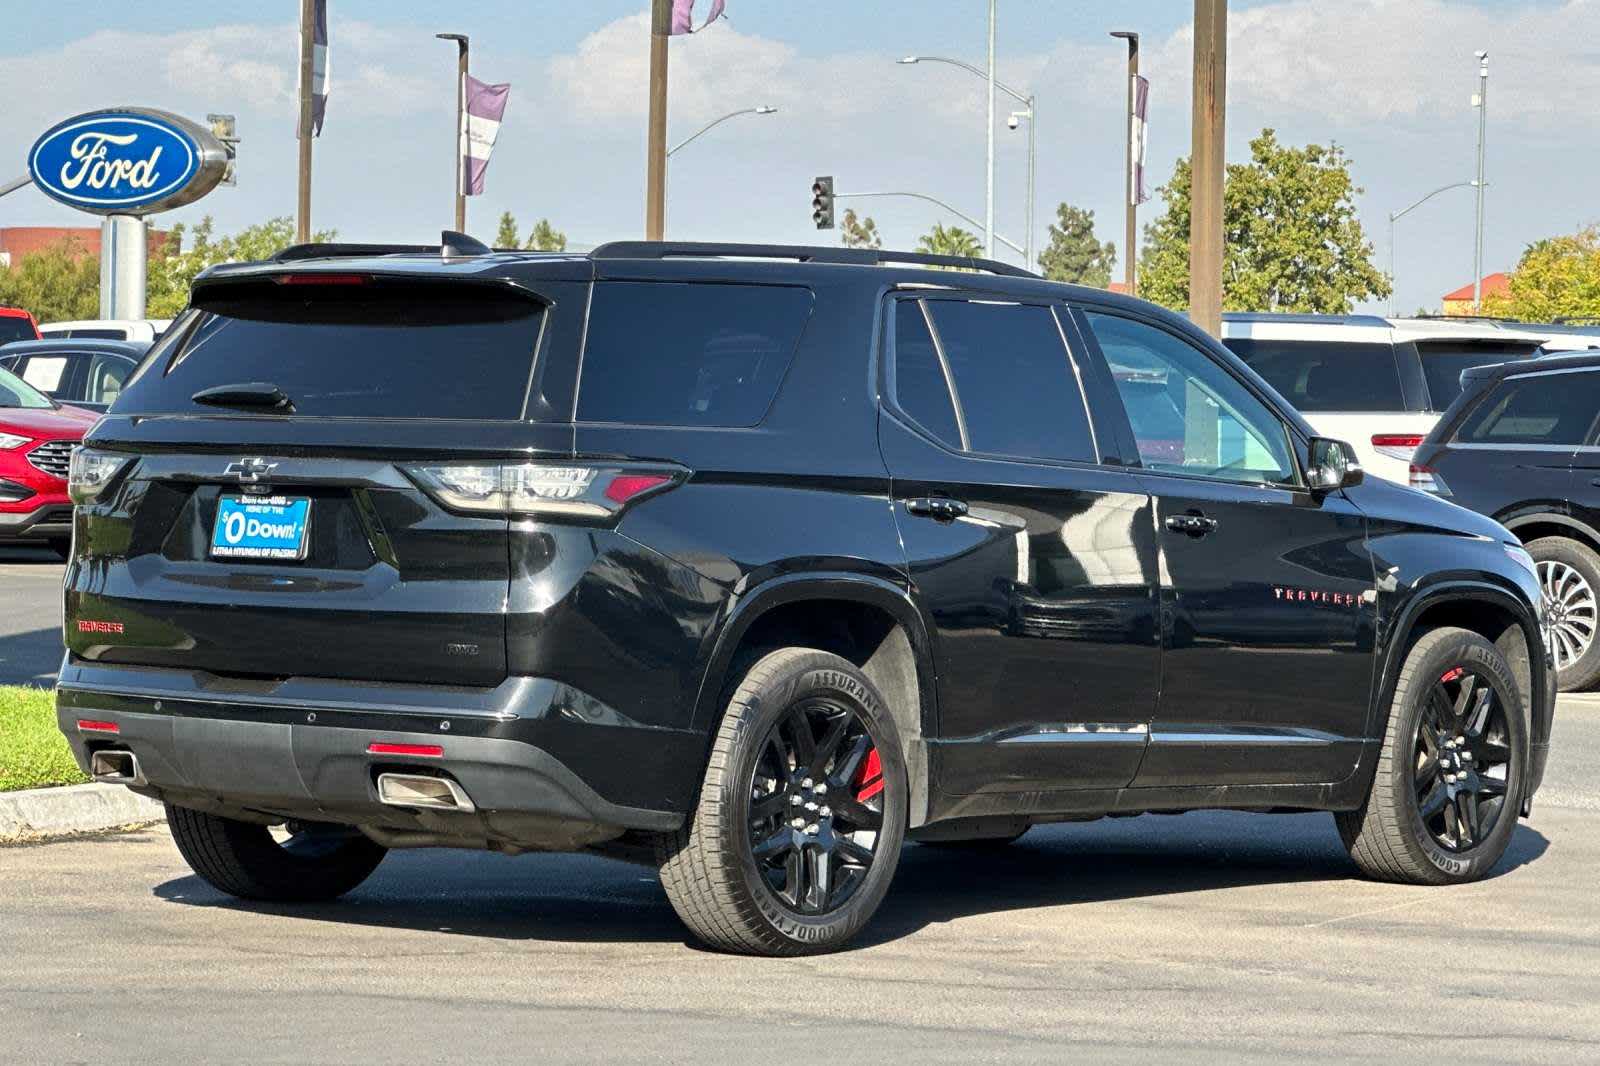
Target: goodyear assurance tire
x=1569 y=574
x=1445 y=800
x=801 y=816
x=244 y=859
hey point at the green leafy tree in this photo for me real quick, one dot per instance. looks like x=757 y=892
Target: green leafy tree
x=545 y=238
x=1556 y=276
x=56 y=284
x=1291 y=236
x=170 y=275
x=858 y=232
x=506 y=235
x=952 y=240
x=1074 y=254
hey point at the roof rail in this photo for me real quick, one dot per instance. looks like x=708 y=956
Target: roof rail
x=800 y=253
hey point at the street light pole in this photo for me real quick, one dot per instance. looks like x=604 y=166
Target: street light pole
x=1130 y=194
x=1483 y=122
x=461 y=126
x=764 y=109
x=988 y=214
x=1395 y=216
x=1029 y=101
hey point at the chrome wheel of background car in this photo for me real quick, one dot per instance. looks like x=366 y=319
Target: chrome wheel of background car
x=816 y=806
x=1571 y=606
x=1462 y=757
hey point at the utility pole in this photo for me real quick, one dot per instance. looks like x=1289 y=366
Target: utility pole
x=988 y=214
x=1206 y=164
x=462 y=47
x=655 y=171
x=1130 y=194
x=1482 y=101
x=302 y=223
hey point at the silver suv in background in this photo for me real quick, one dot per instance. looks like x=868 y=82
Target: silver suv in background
x=1378 y=383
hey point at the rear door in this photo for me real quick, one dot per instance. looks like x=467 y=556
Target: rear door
x=351 y=570
x=1033 y=558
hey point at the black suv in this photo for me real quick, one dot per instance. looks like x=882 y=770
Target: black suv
x=1522 y=445
x=751 y=561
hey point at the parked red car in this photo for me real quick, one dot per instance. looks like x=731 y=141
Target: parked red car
x=37 y=436
x=17 y=325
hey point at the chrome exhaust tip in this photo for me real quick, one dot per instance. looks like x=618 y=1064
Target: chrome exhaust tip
x=113 y=766
x=423 y=791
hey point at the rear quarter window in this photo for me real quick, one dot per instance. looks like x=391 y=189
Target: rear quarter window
x=688 y=354
x=1326 y=375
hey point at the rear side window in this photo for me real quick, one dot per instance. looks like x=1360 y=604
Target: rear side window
x=1326 y=376
x=920 y=386
x=1554 y=409
x=1014 y=380
x=1443 y=362
x=359 y=351
x=688 y=354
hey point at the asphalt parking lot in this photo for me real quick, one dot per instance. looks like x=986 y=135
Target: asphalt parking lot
x=30 y=615
x=1220 y=937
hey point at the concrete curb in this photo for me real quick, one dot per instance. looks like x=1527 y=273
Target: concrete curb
x=41 y=813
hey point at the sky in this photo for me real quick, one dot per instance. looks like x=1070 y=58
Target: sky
x=1388 y=80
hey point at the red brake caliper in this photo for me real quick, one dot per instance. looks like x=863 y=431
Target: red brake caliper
x=869 y=778
x=1451 y=675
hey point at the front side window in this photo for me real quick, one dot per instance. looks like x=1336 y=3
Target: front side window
x=1013 y=379
x=1189 y=415
x=1553 y=409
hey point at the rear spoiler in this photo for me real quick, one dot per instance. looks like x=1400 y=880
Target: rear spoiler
x=452 y=245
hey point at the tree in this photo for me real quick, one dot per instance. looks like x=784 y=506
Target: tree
x=1556 y=276
x=171 y=274
x=57 y=284
x=506 y=235
x=545 y=238
x=1074 y=254
x=950 y=241
x=1291 y=236
x=857 y=232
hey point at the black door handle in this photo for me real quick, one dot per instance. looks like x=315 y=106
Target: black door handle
x=941 y=508
x=1194 y=525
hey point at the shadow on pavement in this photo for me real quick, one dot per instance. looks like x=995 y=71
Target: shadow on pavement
x=30 y=658
x=585 y=898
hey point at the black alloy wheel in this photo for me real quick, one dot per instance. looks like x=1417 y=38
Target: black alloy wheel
x=1463 y=759
x=816 y=806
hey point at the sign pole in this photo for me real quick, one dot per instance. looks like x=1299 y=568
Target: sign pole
x=1206 y=171
x=655 y=171
x=302 y=226
x=124 y=244
x=461 y=133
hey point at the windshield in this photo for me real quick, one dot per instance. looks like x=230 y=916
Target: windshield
x=14 y=392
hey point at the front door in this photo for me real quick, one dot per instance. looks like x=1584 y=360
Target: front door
x=1266 y=589
x=1034 y=562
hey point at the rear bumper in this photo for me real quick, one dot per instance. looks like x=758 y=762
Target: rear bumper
x=544 y=766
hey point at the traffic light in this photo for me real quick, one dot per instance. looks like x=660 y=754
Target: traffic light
x=822 y=203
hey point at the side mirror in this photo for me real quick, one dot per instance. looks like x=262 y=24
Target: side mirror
x=1333 y=466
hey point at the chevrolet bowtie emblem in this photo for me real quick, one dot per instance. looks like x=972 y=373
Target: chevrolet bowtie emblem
x=252 y=469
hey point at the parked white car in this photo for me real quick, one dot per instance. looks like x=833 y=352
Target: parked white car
x=107 y=329
x=1378 y=383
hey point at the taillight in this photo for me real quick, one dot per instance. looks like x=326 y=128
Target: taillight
x=1427 y=479
x=1396 y=445
x=543 y=488
x=90 y=471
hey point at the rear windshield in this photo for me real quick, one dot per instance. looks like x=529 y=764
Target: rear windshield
x=378 y=351
x=1554 y=409
x=1326 y=376
x=1443 y=362
x=16 y=329
x=696 y=354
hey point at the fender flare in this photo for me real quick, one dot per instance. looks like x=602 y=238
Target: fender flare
x=747 y=607
x=1552 y=518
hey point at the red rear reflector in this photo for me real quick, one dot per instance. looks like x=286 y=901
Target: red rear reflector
x=321 y=279
x=380 y=747
x=625 y=487
x=89 y=725
x=1396 y=440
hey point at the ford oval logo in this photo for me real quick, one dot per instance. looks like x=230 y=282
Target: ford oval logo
x=130 y=161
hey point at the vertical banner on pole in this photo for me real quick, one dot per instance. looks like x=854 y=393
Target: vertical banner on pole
x=1138 y=139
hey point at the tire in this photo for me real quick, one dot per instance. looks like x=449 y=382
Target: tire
x=1401 y=834
x=243 y=859
x=62 y=546
x=1569 y=574
x=731 y=871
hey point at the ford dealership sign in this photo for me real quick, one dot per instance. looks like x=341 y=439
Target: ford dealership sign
x=127 y=161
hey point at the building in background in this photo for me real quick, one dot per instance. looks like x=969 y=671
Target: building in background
x=19 y=242
x=1459 y=302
